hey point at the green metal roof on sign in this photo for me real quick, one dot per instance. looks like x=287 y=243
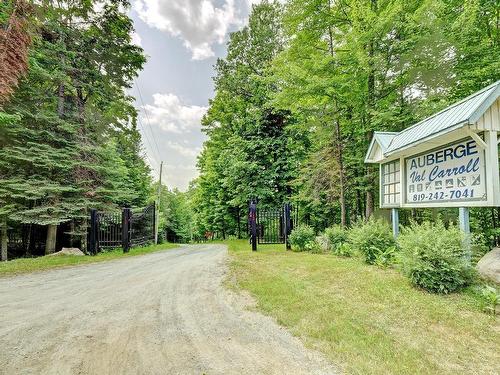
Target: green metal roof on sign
x=466 y=111
x=382 y=140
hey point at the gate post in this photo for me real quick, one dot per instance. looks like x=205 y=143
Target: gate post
x=125 y=230
x=93 y=246
x=288 y=224
x=252 y=215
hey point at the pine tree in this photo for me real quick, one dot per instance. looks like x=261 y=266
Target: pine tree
x=62 y=156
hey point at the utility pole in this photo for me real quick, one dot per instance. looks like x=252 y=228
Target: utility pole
x=157 y=213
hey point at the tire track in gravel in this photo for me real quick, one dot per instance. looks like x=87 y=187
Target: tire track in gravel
x=162 y=313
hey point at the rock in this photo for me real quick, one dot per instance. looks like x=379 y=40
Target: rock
x=69 y=251
x=489 y=265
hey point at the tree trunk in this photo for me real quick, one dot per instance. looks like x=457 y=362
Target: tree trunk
x=369 y=204
x=370 y=109
x=72 y=231
x=80 y=103
x=3 y=235
x=359 y=204
x=340 y=161
x=50 y=244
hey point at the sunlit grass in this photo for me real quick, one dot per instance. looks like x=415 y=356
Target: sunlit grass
x=24 y=265
x=365 y=319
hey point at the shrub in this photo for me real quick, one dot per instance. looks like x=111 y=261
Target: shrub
x=386 y=257
x=302 y=238
x=344 y=249
x=372 y=239
x=490 y=299
x=336 y=236
x=433 y=257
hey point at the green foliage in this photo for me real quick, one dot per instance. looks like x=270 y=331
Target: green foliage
x=335 y=240
x=68 y=140
x=253 y=149
x=489 y=299
x=304 y=86
x=336 y=236
x=485 y=224
x=367 y=315
x=344 y=249
x=175 y=215
x=302 y=238
x=433 y=258
x=386 y=257
x=374 y=240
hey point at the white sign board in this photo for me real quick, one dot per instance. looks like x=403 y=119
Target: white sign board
x=452 y=173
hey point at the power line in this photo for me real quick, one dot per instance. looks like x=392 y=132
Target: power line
x=149 y=144
x=147 y=118
x=152 y=160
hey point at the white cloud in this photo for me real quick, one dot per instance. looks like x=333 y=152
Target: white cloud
x=187 y=151
x=136 y=39
x=171 y=115
x=179 y=175
x=198 y=23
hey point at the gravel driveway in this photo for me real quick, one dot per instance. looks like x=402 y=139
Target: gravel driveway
x=162 y=313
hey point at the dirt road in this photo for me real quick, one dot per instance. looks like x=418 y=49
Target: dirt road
x=162 y=313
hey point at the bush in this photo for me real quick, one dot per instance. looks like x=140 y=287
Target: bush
x=302 y=238
x=490 y=299
x=336 y=236
x=344 y=249
x=373 y=240
x=386 y=257
x=433 y=257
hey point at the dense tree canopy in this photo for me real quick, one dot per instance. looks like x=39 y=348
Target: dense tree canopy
x=69 y=139
x=297 y=98
x=304 y=86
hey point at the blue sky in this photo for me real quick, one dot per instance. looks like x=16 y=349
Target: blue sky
x=182 y=39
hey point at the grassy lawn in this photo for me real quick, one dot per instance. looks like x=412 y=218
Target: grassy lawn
x=24 y=265
x=366 y=319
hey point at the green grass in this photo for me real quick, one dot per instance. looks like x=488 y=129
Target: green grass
x=365 y=319
x=25 y=265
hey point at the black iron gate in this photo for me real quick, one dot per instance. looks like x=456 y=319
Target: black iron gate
x=142 y=226
x=126 y=229
x=271 y=225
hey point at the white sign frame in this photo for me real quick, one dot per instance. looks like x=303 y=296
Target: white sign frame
x=446 y=195
x=489 y=145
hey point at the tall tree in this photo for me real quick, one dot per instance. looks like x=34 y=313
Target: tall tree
x=15 y=39
x=251 y=150
x=63 y=157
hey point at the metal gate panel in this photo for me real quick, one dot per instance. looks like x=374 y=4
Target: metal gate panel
x=270 y=226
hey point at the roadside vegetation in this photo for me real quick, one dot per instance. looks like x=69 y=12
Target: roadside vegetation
x=366 y=318
x=304 y=85
x=26 y=265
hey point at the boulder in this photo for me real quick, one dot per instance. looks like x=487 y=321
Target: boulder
x=69 y=251
x=489 y=265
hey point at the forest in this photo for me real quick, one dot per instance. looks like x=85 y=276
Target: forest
x=304 y=86
x=297 y=98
